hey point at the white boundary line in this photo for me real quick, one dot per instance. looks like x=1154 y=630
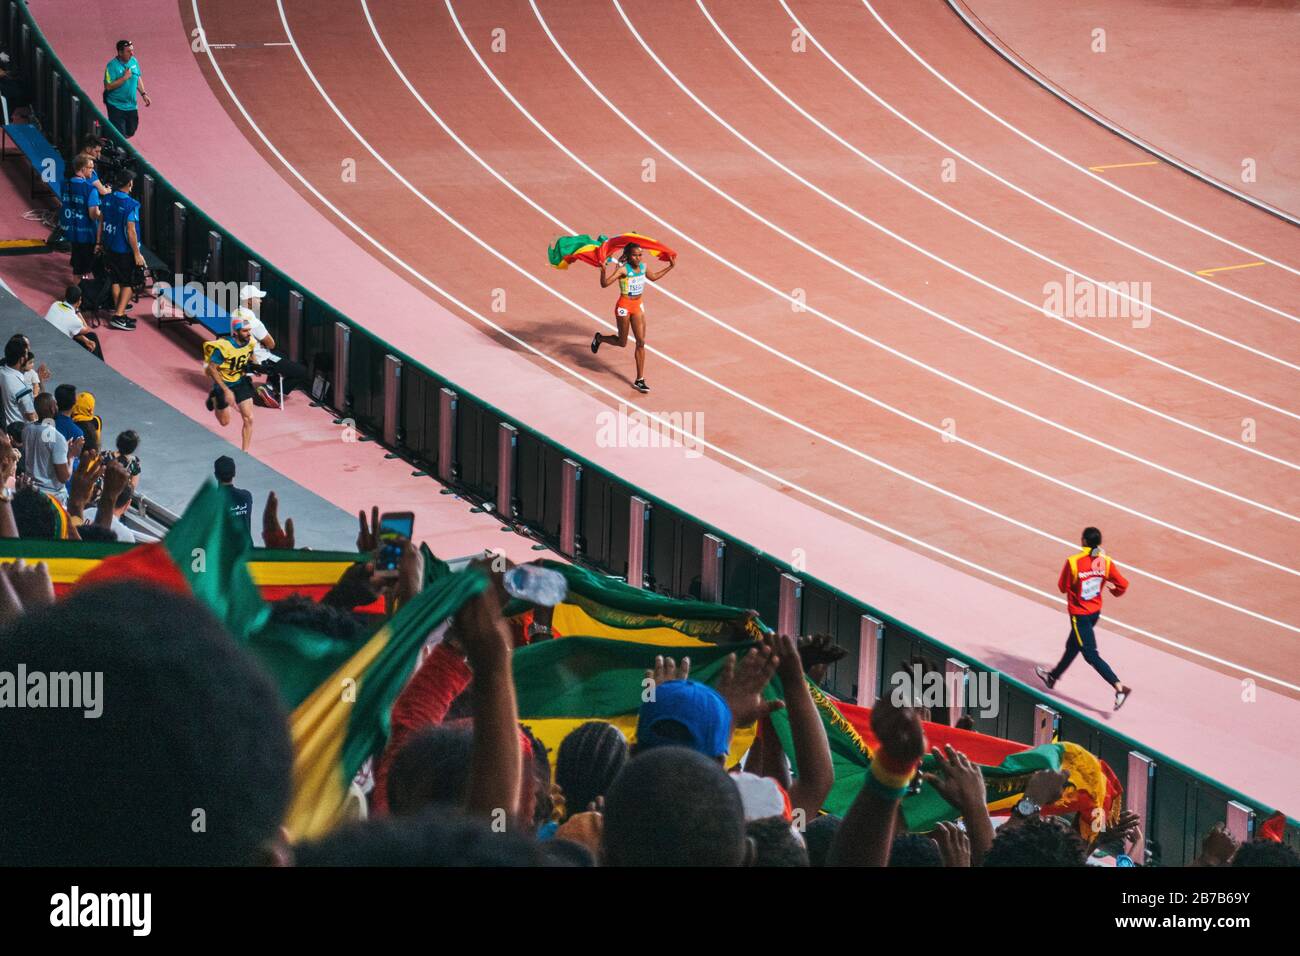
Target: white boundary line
x=813 y=496
x=1092 y=386
x=1029 y=70
x=1073 y=165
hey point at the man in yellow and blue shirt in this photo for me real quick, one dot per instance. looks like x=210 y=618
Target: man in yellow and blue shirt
x=226 y=361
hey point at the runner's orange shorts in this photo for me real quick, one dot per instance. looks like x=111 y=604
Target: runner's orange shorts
x=628 y=306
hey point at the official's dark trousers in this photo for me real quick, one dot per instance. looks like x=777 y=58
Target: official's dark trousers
x=1083 y=641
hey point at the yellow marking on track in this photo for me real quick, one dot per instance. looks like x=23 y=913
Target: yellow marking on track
x=1097 y=169
x=1244 y=265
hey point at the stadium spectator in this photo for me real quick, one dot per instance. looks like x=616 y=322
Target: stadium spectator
x=65 y=399
x=1265 y=853
x=587 y=762
x=433 y=838
x=818 y=652
x=866 y=834
x=49 y=455
x=186 y=720
x=1036 y=842
x=65 y=315
x=911 y=850
x=114 y=501
x=36 y=375
x=674 y=807
x=775 y=844
x=241 y=501
x=226 y=361
x=818 y=836
x=80 y=216
x=83 y=415
x=478 y=645
x=121 y=83
x=125 y=455
x=121 y=239
x=16 y=394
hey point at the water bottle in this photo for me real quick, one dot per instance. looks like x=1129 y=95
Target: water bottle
x=536 y=585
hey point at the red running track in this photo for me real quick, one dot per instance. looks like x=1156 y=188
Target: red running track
x=1182 y=60
x=929 y=391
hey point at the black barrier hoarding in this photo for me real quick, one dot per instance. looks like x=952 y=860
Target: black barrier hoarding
x=1183 y=803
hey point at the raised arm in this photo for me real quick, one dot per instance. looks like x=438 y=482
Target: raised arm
x=656 y=276
x=867 y=831
x=496 y=765
x=607 y=279
x=961 y=783
x=812 y=751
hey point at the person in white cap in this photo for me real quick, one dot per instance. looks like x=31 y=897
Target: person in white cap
x=226 y=360
x=291 y=374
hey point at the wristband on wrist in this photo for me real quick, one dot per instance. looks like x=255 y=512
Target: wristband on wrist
x=890 y=779
x=893 y=765
x=884 y=790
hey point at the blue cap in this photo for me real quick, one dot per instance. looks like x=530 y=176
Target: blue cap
x=697 y=708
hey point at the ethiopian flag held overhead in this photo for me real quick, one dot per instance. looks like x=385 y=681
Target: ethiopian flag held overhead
x=594 y=251
x=338 y=692
x=608 y=633
x=345 y=718
x=1006 y=766
x=601 y=606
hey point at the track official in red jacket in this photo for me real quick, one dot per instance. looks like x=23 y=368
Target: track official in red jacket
x=1082 y=580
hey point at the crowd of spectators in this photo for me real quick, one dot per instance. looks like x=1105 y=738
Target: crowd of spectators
x=460 y=781
x=57 y=481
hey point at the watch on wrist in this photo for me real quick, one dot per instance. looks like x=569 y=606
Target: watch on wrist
x=1026 y=808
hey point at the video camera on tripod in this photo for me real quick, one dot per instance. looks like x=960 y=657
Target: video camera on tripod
x=113 y=162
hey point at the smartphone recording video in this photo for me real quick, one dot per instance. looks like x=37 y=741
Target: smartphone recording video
x=394 y=526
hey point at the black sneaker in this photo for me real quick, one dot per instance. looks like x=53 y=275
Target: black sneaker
x=595 y=344
x=640 y=385
x=1045 y=676
x=121 y=323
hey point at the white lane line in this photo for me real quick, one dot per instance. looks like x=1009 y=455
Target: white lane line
x=1268 y=356
x=567 y=228
x=1073 y=165
x=803 y=305
x=1053 y=599
x=688 y=370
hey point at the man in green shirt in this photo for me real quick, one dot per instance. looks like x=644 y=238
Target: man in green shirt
x=121 y=82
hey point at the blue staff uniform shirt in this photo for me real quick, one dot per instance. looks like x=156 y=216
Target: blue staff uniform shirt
x=79 y=197
x=119 y=208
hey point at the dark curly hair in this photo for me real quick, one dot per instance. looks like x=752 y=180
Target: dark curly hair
x=1036 y=842
x=775 y=843
x=1265 y=853
x=190 y=731
x=912 y=850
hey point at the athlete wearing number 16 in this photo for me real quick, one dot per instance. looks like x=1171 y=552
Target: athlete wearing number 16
x=1081 y=581
x=630 y=272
